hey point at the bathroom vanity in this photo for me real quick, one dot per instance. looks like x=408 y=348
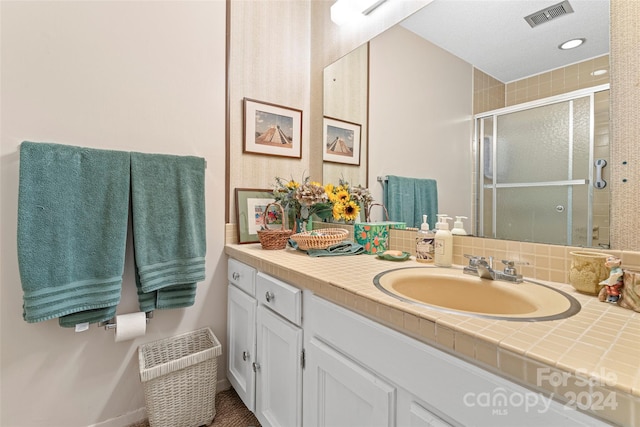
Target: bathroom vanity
x=370 y=359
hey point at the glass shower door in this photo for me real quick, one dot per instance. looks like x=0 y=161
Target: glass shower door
x=535 y=177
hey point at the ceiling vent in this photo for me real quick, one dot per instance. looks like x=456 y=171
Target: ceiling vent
x=549 y=13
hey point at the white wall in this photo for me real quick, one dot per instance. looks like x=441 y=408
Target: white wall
x=136 y=76
x=420 y=117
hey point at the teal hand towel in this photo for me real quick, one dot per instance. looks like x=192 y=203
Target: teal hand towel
x=345 y=247
x=72 y=223
x=407 y=199
x=169 y=235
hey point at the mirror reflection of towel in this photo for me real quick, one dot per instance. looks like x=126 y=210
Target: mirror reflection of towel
x=407 y=199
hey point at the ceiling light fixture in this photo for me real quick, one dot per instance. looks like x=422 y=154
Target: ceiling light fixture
x=571 y=44
x=346 y=10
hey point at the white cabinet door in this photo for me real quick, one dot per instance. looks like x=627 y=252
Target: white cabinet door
x=241 y=346
x=278 y=371
x=339 y=392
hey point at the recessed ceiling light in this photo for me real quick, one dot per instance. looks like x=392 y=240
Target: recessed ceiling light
x=598 y=72
x=570 y=44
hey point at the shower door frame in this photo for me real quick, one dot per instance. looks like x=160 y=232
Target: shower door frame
x=479 y=187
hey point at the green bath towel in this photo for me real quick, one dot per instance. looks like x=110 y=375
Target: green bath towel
x=346 y=247
x=169 y=235
x=72 y=223
x=407 y=199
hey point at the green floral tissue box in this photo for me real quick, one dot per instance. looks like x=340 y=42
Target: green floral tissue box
x=374 y=236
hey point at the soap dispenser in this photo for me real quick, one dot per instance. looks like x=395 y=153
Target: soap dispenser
x=458 y=227
x=443 y=251
x=424 y=243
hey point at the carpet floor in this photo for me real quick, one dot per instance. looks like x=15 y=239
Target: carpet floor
x=230 y=412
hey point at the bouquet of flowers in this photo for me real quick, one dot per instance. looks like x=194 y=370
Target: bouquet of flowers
x=347 y=200
x=302 y=200
x=307 y=198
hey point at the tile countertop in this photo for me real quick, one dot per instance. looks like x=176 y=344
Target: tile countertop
x=591 y=359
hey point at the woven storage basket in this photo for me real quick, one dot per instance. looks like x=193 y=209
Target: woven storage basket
x=320 y=239
x=179 y=377
x=274 y=239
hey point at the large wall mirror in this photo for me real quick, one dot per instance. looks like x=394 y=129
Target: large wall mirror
x=430 y=76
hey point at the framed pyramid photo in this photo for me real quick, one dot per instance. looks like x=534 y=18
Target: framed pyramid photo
x=272 y=129
x=341 y=141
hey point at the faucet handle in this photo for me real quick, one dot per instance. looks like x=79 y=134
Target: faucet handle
x=510 y=266
x=473 y=260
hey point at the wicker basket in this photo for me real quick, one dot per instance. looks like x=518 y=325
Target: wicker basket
x=274 y=239
x=179 y=377
x=320 y=239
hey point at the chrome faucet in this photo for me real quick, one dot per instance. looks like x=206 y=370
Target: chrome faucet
x=483 y=268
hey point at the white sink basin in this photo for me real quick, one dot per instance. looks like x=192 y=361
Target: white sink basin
x=453 y=291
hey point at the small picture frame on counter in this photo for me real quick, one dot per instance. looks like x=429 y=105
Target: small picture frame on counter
x=250 y=204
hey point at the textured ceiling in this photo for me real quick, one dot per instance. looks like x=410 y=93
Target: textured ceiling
x=494 y=36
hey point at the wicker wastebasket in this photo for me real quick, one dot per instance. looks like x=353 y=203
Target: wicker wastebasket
x=179 y=377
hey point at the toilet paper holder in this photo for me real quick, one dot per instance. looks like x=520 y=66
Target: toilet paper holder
x=111 y=323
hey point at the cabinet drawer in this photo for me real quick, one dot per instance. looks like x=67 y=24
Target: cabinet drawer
x=279 y=296
x=242 y=275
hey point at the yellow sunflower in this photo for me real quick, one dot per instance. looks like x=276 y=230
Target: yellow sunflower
x=342 y=195
x=338 y=210
x=351 y=211
x=329 y=189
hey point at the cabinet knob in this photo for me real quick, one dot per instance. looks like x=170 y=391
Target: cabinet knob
x=256 y=367
x=235 y=275
x=269 y=296
x=245 y=355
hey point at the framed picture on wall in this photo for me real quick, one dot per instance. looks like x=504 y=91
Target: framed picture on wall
x=250 y=204
x=272 y=129
x=341 y=141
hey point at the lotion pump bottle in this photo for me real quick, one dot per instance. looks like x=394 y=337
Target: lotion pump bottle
x=443 y=243
x=458 y=227
x=424 y=243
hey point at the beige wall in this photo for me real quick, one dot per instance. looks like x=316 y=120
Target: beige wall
x=345 y=97
x=309 y=41
x=268 y=61
x=420 y=117
x=625 y=126
x=134 y=76
x=330 y=42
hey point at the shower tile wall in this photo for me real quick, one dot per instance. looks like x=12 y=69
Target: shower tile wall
x=488 y=92
x=491 y=94
x=558 y=81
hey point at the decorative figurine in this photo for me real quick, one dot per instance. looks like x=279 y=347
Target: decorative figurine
x=614 y=283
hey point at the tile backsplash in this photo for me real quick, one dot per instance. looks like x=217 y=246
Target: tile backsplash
x=539 y=261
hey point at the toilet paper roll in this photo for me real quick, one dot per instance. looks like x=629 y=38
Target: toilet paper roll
x=130 y=326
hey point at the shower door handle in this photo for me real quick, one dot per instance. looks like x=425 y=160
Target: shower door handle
x=599 y=181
